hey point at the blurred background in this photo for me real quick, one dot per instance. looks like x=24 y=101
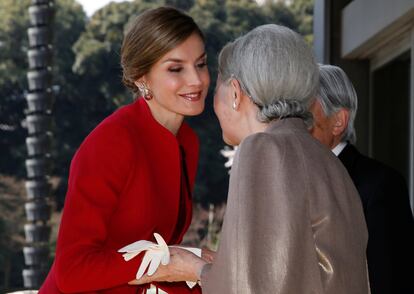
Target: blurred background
x=86 y=87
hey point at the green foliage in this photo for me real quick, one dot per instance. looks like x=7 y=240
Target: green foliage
x=11 y=232
x=13 y=46
x=181 y=4
x=242 y=16
x=303 y=11
x=69 y=22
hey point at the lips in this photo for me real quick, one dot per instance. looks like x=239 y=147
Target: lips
x=194 y=96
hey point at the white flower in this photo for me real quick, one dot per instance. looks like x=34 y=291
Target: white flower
x=154 y=255
x=228 y=152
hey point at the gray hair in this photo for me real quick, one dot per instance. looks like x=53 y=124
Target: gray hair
x=275 y=68
x=336 y=92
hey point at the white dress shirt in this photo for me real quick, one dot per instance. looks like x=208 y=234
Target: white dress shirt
x=338 y=148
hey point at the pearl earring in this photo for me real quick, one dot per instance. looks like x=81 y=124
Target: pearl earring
x=234 y=102
x=234 y=105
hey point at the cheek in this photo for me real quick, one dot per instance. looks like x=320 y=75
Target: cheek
x=321 y=135
x=216 y=107
x=225 y=117
x=229 y=130
x=170 y=84
x=205 y=77
x=316 y=132
x=164 y=82
x=220 y=109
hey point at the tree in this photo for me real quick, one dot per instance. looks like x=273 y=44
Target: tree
x=279 y=13
x=12 y=219
x=303 y=11
x=13 y=66
x=181 y=4
x=243 y=16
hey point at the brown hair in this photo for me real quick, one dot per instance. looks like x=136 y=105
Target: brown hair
x=149 y=37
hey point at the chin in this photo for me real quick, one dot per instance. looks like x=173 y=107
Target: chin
x=229 y=141
x=195 y=110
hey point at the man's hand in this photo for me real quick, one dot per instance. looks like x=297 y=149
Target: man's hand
x=183 y=266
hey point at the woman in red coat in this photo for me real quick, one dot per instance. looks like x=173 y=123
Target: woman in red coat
x=133 y=175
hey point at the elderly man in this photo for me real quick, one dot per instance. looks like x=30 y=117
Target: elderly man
x=383 y=192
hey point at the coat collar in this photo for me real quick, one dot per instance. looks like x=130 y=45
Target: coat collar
x=156 y=134
x=149 y=122
x=161 y=150
x=291 y=124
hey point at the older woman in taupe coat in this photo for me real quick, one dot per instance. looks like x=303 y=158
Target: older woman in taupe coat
x=294 y=222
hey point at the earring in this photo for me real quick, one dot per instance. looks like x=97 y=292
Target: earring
x=143 y=89
x=234 y=106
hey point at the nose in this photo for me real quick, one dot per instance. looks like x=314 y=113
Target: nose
x=194 y=78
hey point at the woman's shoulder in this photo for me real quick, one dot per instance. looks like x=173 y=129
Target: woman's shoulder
x=261 y=148
x=115 y=132
x=260 y=142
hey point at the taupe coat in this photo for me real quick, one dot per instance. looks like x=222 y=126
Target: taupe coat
x=294 y=222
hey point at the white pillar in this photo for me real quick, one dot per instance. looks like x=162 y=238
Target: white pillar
x=321 y=31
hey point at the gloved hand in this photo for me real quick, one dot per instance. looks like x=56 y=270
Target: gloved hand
x=155 y=255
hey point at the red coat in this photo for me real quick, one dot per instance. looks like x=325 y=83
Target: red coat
x=124 y=185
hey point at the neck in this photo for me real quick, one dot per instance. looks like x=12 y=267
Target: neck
x=252 y=125
x=169 y=120
x=335 y=142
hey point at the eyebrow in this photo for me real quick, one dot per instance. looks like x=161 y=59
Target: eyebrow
x=180 y=60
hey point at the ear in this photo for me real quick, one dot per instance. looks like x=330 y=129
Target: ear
x=236 y=92
x=340 y=123
x=138 y=83
x=141 y=80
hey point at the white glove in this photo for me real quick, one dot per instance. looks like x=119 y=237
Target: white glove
x=154 y=255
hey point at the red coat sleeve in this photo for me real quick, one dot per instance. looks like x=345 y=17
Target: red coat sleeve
x=99 y=172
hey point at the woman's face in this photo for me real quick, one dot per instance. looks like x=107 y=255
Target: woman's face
x=223 y=107
x=179 y=80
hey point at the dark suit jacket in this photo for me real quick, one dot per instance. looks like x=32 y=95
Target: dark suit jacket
x=384 y=195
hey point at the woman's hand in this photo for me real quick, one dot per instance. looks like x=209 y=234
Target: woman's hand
x=208 y=255
x=183 y=266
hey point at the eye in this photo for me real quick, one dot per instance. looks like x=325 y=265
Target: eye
x=202 y=64
x=175 y=69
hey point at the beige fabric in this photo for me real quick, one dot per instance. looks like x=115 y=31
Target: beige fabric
x=294 y=222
